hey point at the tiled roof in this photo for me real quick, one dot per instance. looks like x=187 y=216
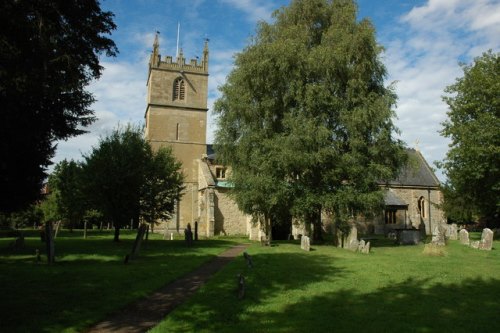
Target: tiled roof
x=392 y=199
x=416 y=173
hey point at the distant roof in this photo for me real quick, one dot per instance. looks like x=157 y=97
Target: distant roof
x=416 y=172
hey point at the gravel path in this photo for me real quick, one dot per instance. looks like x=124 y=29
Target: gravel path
x=148 y=312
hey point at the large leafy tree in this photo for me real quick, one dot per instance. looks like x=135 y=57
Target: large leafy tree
x=49 y=53
x=125 y=179
x=66 y=184
x=305 y=120
x=472 y=164
x=113 y=174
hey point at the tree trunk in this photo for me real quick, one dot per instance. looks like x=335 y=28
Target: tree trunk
x=318 y=228
x=117 y=233
x=85 y=230
x=49 y=241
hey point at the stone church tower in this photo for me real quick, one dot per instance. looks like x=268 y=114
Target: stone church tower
x=176 y=116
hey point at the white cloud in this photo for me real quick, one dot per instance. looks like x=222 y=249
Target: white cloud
x=424 y=60
x=255 y=10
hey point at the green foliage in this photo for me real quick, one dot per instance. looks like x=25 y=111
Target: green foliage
x=472 y=165
x=113 y=174
x=162 y=186
x=66 y=184
x=305 y=120
x=125 y=179
x=49 y=53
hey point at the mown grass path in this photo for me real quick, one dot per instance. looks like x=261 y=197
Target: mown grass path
x=148 y=312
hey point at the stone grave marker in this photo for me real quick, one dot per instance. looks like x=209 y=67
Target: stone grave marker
x=241 y=286
x=464 y=237
x=453 y=231
x=486 y=242
x=305 y=243
x=438 y=236
x=248 y=259
x=361 y=245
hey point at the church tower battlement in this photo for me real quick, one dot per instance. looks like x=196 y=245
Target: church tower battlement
x=176 y=116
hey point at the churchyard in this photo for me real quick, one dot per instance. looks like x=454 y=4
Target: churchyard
x=287 y=289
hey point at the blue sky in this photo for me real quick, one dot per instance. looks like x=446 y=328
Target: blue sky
x=424 y=41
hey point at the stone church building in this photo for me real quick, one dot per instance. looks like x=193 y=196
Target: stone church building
x=176 y=116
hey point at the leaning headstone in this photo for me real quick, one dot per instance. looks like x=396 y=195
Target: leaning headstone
x=464 y=237
x=486 y=242
x=305 y=243
x=241 y=286
x=248 y=258
x=453 y=230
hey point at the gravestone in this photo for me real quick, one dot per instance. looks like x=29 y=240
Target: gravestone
x=141 y=230
x=438 y=236
x=361 y=245
x=305 y=243
x=264 y=241
x=453 y=230
x=241 y=286
x=464 y=237
x=248 y=258
x=486 y=242
x=366 y=248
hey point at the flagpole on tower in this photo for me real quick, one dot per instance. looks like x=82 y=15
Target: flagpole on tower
x=178 y=32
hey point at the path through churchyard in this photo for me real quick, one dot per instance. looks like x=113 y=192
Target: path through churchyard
x=148 y=312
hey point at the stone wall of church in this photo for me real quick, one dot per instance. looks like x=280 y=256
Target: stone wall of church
x=229 y=220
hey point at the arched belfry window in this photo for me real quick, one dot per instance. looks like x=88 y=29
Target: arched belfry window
x=179 y=89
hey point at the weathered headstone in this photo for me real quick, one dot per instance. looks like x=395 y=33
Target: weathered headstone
x=305 y=243
x=438 y=236
x=361 y=245
x=453 y=230
x=464 y=237
x=486 y=242
x=138 y=240
x=264 y=241
x=366 y=248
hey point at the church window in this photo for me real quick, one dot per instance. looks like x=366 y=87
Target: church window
x=390 y=216
x=179 y=89
x=177 y=131
x=220 y=173
x=421 y=206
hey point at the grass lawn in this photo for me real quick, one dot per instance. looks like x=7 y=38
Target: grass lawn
x=89 y=279
x=393 y=289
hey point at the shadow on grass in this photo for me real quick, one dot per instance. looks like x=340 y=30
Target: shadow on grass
x=281 y=297
x=471 y=306
x=88 y=279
